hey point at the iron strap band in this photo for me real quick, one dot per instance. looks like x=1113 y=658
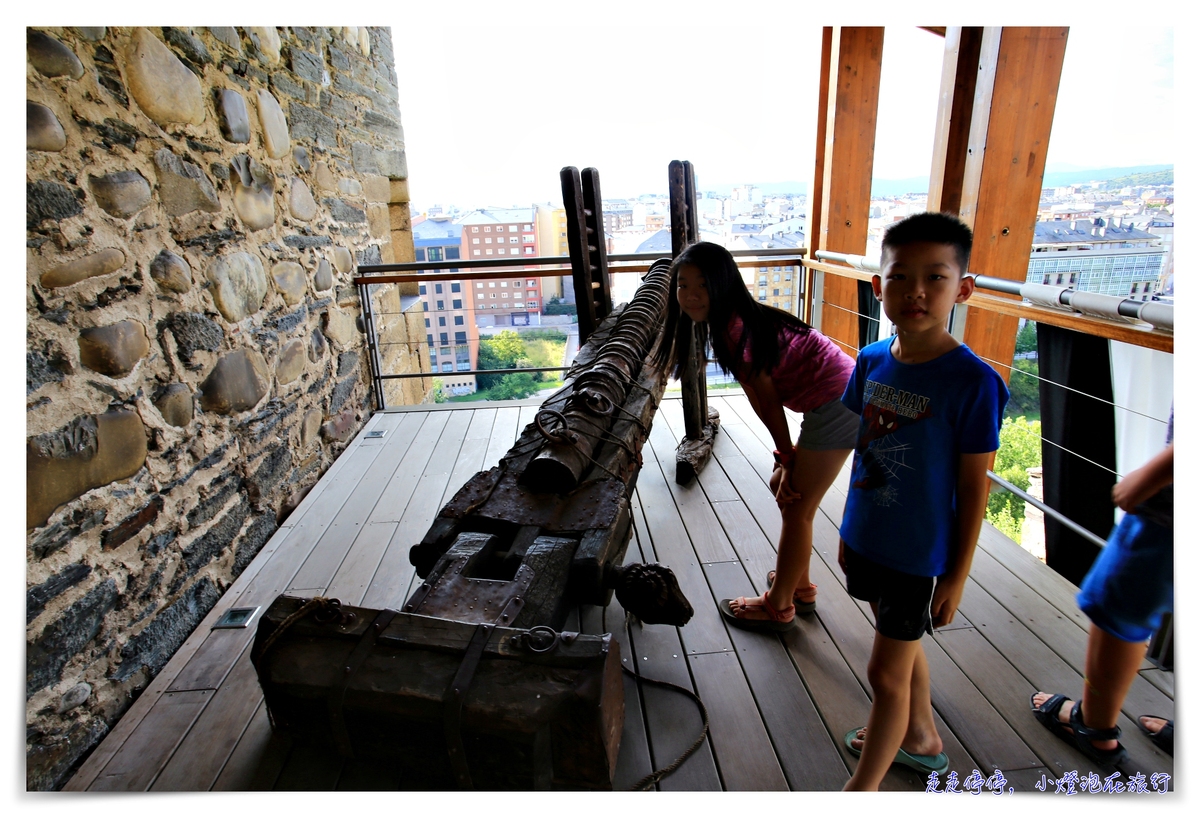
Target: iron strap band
x=337 y=693
x=452 y=703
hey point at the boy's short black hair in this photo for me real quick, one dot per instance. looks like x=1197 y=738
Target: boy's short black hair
x=940 y=228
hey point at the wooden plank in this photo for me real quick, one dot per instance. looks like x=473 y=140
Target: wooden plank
x=504 y=433
x=355 y=573
x=708 y=538
x=1162 y=679
x=741 y=744
x=213 y=660
x=471 y=456
x=212 y=738
x=714 y=482
x=804 y=749
x=960 y=68
x=399 y=490
x=672 y=720
x=135 y=765
x=755 y=552
x=1042 y=580
x=259 y=756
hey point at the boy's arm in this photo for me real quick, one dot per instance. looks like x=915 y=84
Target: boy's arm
x=971 y=498
x=1143 y=483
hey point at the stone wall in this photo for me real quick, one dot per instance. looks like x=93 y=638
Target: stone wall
x=197 y=201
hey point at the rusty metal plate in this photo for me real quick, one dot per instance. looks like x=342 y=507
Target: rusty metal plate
x=592 y=505
x=472 y=494
x=467 y=599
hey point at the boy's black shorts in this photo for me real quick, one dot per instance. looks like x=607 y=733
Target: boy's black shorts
x=902 y=600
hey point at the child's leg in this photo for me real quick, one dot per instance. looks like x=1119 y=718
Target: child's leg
x=813 y=472
x=895 y=678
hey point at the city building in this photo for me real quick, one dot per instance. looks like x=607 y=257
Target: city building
x=1109 y=256
x=503 y=232
x=550 y=230
x=453 y=344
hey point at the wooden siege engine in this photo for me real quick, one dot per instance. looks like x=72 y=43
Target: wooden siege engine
x=474 y=682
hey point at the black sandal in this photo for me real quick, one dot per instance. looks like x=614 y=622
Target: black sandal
x=1164 y=738
x=1080 y=735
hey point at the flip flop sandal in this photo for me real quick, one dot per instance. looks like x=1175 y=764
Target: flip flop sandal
x=925 y=765
x=1164 y=738
x=805 y=601
x=775 y=621
x=1080 y=735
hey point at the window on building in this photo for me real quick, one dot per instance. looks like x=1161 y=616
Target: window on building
x=419 y=253
x=435 y=254
x=441 y=305
x=437 y=288
x=445 y=351
x=529 y=251
x=433 y=360
x=460 y=337
x=441 y=320
x=421 y=289
x=476 y=252
x=429 y=339
x=491 y=295
x=475 y=241
x=426 y=323
x=491 y=283
x=505 y=305
x=452 y=253
x=528 y=227
x=458 y=320
x=455 y=287
x=479 y=285
x=456 y=304
x=488 y=240
x=513 y=239
x=776 y=291
x=474 y=229
x=487 y=229
x=489 y=251
x=447 y=366
x=444 y=337
x=527 y=239
x=516 y=285
x=531 y=293
x=512 y=228
x=533 y=304
x=529 y=282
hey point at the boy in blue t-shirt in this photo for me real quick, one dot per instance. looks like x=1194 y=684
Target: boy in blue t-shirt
x=930 y=420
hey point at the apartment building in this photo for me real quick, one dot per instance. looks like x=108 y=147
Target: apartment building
x=505 y=301
x=453 y=344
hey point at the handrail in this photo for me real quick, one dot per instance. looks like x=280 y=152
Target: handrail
x=1047 y=510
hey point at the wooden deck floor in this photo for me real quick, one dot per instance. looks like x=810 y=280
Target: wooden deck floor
x=778 y=705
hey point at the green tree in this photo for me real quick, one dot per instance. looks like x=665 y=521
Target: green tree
x=514 y=387
x=504 y=350
x=1020 y=449
x=439 y=391
x=1027 y=338
x=1023 y=400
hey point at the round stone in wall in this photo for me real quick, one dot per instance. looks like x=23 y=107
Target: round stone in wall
x=50 y=57
x=182 y=186
x=43 y=132
x=291 y=362
x=92 y=34
x=350 y=187
x=235 y=118
x=301 y=157
x=274 y=124
x=310 y=428
x=174 y=402
x=301 y=202
x=267 y=40
x=237 y=383
x=171 y=272
x=289 y=281
x=113 y=350
x=342 y=260
x=121 y=194
x=316 y=345
x=323 y=277
x=253 y=193
x=238 y=285
x=72 y=272
x=324 y=177
x=76 y=696
x=160 y=83
x=364 y=41
x=339 y=327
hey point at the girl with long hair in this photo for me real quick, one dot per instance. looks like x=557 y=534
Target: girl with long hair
x=779 y=361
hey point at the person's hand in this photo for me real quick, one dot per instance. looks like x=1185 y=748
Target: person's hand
x=1133 y=489
x=784 y=493
x=946 y=597
x=842 y=554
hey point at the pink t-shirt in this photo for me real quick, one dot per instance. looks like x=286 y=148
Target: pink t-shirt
x=812 y=370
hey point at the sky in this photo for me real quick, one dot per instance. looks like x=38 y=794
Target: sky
x=739 y=101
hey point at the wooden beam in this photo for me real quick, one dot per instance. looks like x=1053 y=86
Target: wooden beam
x=850 y=71
x=1016 y=89
x=960 y=67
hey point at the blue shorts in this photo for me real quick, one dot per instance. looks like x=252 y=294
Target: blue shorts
x=1131 y=584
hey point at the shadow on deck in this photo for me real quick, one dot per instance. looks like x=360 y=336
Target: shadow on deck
x=778 y=705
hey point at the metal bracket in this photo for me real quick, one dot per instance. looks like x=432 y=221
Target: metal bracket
x=337 y=693
x=452 y=703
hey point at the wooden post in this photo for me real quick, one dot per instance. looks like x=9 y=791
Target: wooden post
x=577 y=243
x=960 y=69
x=1015 y=92
x=851 y=60
x=597 y=253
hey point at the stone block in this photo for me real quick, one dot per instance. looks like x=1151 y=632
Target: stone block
x=62 y=639
x=339 y=327
x=305 y=242
x=234 y=116
x=222 y=487
x=291 y=362
x=343 y=260
x=301 y=203
x=344 y=212
x=266 y=39
x=323 y=277
x=113 y=350
x=347 y=362
x=309 y=428
x=377 y=123
x=399 y=190
x=237 y=383
x=37 y=596
x=398 y=217
x=316 y=346
x=290 y=282
x=194 y=331
x=55 y=537
x=341 y=393
x=283 y=86
x=340 y=427
x=50 y=57
x=289 y=322
x=92 y=451
x=252 y=540
x=182 y=186
x=193 y=48
x=52 y=758
x=41 y=369
x=157 y=642
x=253 y=193
x=310 y=124
x=43 y=131
x=72 y=272
x=50 y=201
x=227 y=35
x=350 y=186
x=171 y=272
x=376 y=188
x=238 y=285
x=128 y=528
x=393 y=164
x=121 y=194
x=274 y=125
x=270 y=473
x=174 y=403
x=93 y=34
x=160 y=83
x=308 y=65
